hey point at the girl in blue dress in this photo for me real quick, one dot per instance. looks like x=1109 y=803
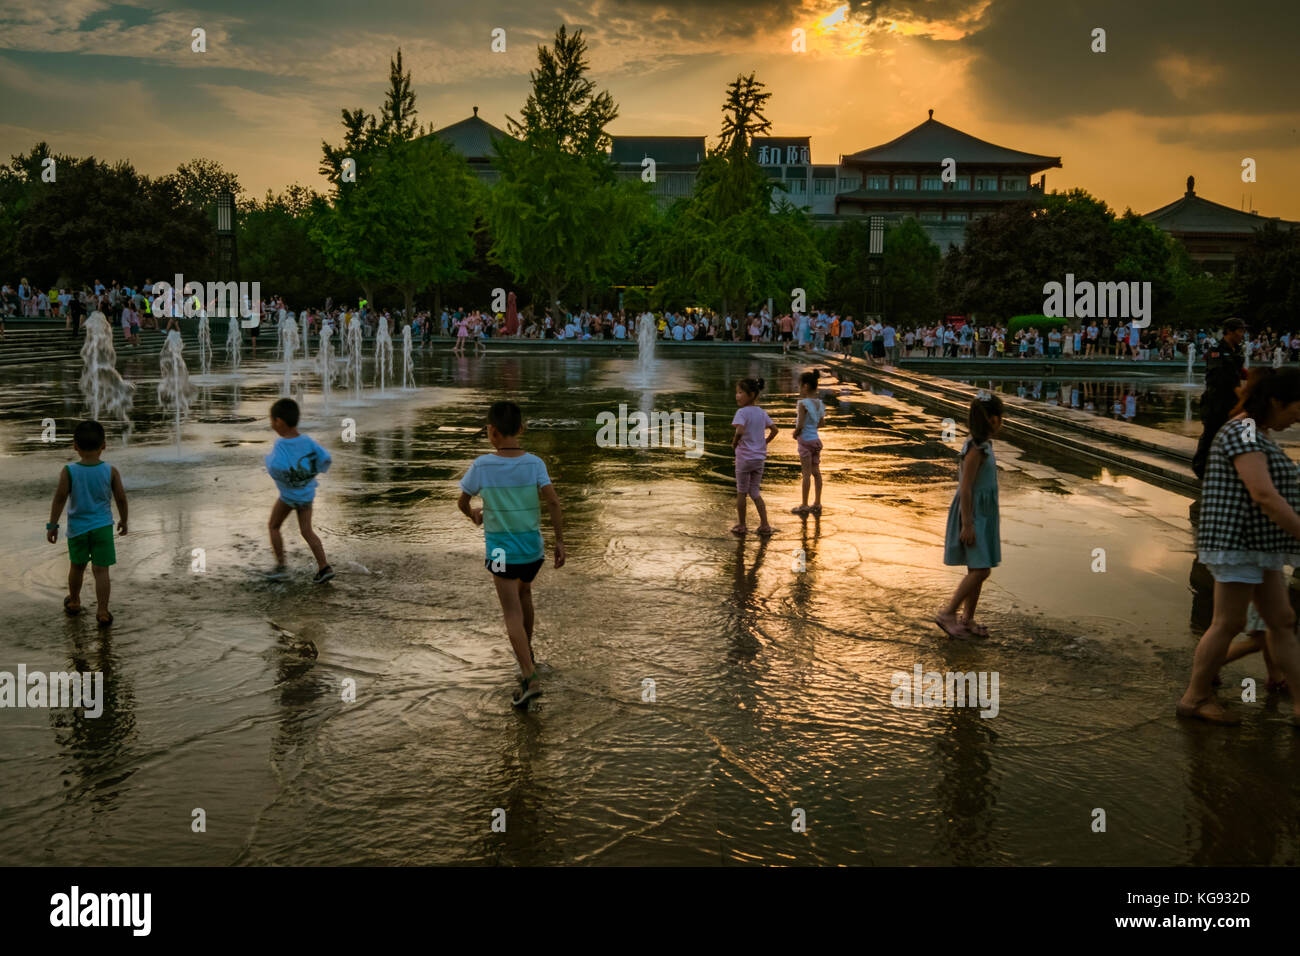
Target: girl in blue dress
x=973 y=538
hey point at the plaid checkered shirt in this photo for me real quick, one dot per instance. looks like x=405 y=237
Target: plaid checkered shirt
x=1232 y=528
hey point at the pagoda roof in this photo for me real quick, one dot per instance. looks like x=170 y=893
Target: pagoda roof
x=932 y=142
x=472 y=137
x=664 y=150
x=1195 y=214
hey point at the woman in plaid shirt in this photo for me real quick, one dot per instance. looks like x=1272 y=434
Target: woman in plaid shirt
x=1249 y=528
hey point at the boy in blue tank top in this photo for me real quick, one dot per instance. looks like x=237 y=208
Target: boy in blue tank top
x=86 y=487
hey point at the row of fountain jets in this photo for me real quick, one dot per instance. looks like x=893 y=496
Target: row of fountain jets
x=109 y=396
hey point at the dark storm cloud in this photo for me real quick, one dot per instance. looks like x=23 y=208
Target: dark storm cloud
x=1285 y=135
x=1164 y=58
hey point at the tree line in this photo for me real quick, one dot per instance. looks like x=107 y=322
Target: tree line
x=404 y=220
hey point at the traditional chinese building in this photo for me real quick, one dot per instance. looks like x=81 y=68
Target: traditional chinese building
x=1213 y=233
x=904 y=177
x=941 y=176
x=472 y=137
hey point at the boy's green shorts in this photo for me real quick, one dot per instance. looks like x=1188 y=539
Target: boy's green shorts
x=95 y=547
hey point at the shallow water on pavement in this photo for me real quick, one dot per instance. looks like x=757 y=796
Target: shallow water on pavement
x=1163 y=402
x=772 y=685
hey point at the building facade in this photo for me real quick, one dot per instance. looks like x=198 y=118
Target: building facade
x=941 y=176
x=676 y=163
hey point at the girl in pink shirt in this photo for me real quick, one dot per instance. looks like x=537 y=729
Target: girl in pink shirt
x=751 y=452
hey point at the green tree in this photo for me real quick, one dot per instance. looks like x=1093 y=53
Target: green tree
x=199 y=181
x=1265 y=281
x=845 y=248
x=397 y=116
x=726 y=244
x=275 y=246
x=559 y=217
x=96 y=221
x=564 y=111
x=910 y=271
x=408 y=219
x=1011 y=254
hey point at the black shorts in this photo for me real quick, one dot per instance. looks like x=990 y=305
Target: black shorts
x=517 y=572
x=787 y=336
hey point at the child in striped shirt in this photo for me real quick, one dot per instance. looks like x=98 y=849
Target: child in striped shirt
x=511 y=481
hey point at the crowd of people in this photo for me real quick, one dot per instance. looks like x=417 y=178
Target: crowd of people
x=131 y=308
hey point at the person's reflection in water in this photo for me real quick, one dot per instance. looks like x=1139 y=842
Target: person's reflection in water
x=746 y=608
x=97 y=746
x=526 y=839
x=803 y=628
x=801 y=591
x=965 y=791
x=509 y=375
x=1245 y=809
x=298 y=693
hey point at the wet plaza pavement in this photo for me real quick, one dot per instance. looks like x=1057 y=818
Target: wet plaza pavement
x=772 y=662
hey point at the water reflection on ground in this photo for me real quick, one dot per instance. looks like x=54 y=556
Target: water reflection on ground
x=772 y=661
x=1171 y=405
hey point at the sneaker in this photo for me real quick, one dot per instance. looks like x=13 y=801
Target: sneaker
x=278 y=573
x=528 y=689
x=323 y=575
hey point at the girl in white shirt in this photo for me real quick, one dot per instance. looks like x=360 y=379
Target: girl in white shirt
x=811 y=411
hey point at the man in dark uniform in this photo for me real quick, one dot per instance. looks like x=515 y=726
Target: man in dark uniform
x=1224 y=370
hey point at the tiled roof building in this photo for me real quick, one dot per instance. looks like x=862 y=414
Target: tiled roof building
x=472 y=137
x=1213 y=233
x=912 y=176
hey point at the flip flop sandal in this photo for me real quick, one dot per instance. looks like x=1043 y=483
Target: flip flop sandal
x=1194 y=713
x=68 y=609
x=106 y=622
x=979 y=630
x=766 y=534
x=960 y=632
x=526 y=691
x=739 y=532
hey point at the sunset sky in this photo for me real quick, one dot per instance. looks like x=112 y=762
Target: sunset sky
x=1185 y=86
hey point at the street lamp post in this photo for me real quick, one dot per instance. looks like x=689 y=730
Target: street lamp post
x=876 y=268
x=227 y=251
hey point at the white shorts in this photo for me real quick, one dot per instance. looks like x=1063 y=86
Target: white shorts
x=1237 y=573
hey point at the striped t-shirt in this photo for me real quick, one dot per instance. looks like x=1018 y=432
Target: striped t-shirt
x=512 y=515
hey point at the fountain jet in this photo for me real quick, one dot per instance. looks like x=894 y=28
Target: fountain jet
x=234 y=342
x=104 y=390
x=174 y=389
x=408 y=363
x=383 y=354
